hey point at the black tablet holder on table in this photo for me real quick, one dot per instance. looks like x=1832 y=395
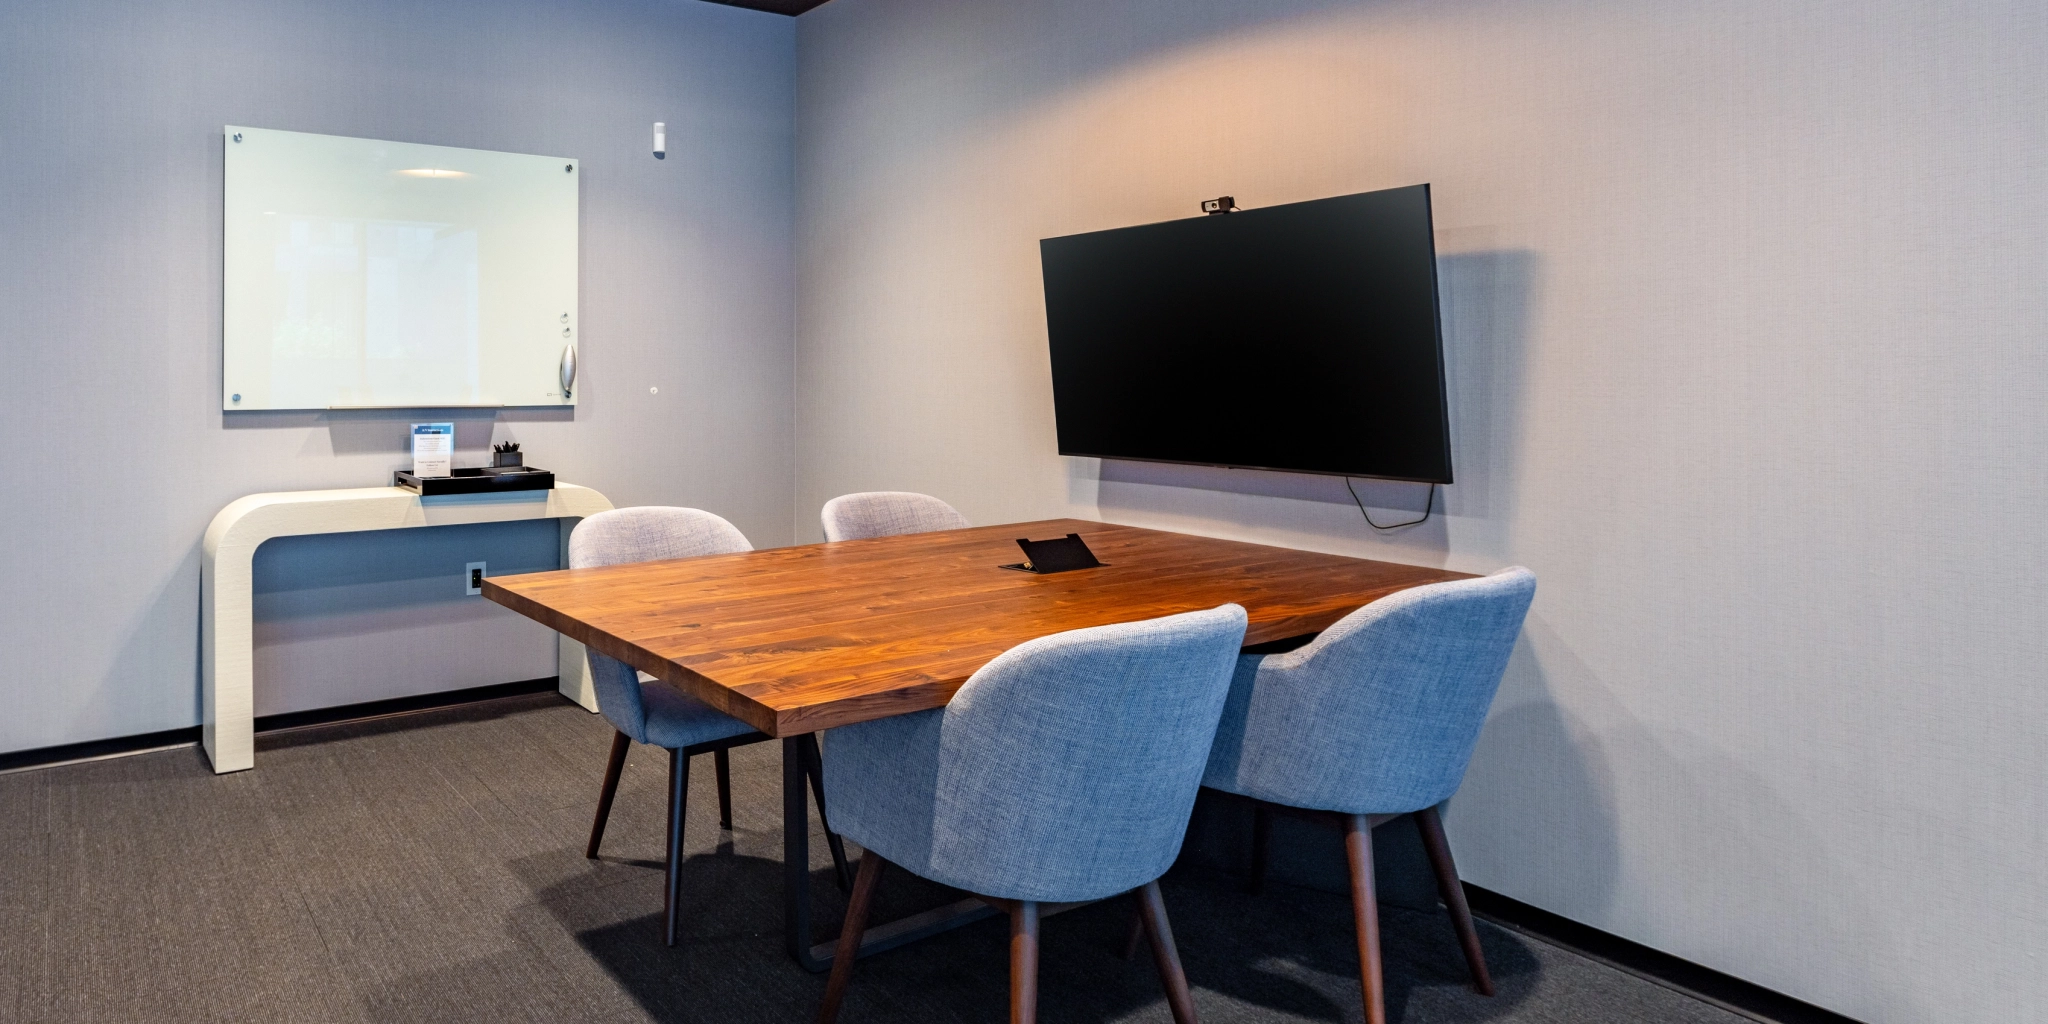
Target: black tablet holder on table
x=1050 y=556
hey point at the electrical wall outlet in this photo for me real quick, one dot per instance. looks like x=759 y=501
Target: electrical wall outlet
x=473 y=579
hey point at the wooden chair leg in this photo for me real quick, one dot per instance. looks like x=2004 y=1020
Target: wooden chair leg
x=1024 y=962
x=1152 y=910
x=1262 y=836
x=871 y=866
x=672 y=888
x=721 y=761
x=815 y=767
x=1431 y=826
x=1137 y=931
x=1365 y=915
x=612 y=768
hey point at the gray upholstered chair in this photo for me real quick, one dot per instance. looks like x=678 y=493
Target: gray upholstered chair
x=887 y=514
x=1374 y=719
x=1063 y=771
x=644 y=710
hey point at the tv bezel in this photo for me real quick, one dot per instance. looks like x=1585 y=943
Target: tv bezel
x=1437 y=330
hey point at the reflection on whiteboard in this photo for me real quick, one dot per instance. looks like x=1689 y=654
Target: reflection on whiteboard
x=408 y=290
x=362 y=273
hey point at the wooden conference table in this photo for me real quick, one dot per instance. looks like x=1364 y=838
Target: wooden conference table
x=796 y=640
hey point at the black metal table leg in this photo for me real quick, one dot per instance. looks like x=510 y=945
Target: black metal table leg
x=796 y=855
x=816 y=957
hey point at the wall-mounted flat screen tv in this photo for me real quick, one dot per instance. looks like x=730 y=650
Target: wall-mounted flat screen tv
x=1301 y=337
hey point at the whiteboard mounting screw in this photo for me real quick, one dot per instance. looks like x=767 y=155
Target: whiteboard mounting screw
x=238 y=136
x=568 y=168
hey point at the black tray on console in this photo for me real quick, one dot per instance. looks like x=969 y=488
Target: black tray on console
x=479 y=480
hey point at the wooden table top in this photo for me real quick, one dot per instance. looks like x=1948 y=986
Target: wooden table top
x=793 y=640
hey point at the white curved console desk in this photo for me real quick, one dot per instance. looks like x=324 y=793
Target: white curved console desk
x=228 y=728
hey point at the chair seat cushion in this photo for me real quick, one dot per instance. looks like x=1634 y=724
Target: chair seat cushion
x=676 y=719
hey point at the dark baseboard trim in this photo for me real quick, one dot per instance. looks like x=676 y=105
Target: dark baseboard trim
x=94 y=750
x=121 y=746
x=1703 y=983
x=375 y=709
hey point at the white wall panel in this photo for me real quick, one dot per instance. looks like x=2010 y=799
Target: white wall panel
x=1745 y=329
x=110 y=276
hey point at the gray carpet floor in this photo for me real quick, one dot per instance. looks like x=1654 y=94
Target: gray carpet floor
x=430 y=868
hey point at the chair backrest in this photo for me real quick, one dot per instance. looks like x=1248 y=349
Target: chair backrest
x=644 y=534
x=887 y=514
x=1379 y=714
x=650 y=533
x=1068 y=765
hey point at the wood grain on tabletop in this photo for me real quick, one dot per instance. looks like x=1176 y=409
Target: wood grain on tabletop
x=793 y=640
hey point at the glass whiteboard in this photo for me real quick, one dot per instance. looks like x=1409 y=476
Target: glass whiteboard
x=366 y=274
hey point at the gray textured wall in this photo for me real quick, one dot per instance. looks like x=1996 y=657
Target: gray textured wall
x=116 y=455
x=1745 y=321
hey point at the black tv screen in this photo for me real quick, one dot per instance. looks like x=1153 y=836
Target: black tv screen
x=1301 y=337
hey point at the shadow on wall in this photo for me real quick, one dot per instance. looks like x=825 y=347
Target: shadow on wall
x=1548 y=776
x=1486 y=301
x=1539 y=774
x=1487 y=304
x=161 y=626
x=389 y=431
x=330 y=605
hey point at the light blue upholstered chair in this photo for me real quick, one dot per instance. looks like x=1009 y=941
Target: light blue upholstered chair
x=1374 y=719
x=1063 y=771
x=887 y=514
x=645 y=710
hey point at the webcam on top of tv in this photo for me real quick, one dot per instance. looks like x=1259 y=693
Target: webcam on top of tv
x=1220 y=204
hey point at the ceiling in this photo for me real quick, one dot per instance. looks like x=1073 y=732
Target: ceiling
x=775 y=6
